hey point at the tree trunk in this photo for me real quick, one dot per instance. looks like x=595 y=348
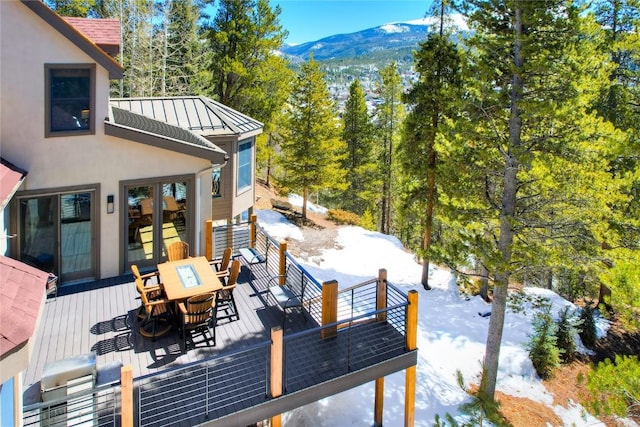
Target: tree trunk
x=305 y=197
x=507 y=216
x=484 y=283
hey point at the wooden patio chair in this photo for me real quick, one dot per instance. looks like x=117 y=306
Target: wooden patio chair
x=222 y=265
x=154 y=291
x=157 y=310
x=198 y=314
x=177 y=251
x=225 y=298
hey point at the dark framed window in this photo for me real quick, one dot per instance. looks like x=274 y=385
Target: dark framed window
x=244 y=166
x=70 y=99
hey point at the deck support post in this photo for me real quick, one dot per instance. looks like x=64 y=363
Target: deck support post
x=381 y=303
x=276 y=370
x=208 y=239
x=282 y=263
x=126 y=390
x=252 y=230
x=329 y=309
x=378 y=402
x=411 y=343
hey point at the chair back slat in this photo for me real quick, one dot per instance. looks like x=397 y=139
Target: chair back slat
x=200 y=308
x=177 y=251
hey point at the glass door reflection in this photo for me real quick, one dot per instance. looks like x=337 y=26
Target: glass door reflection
x=140 y=236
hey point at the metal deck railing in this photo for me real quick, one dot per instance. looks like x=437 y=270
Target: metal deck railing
x=97 y=407
x=363 y=336
x=207 y=389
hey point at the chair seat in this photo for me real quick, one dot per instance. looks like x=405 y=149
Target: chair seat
x=151 y=330
x=284 y=297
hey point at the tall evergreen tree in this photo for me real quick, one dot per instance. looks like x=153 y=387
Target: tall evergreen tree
x=242 y=37
x=433 y=99
x=310 y=144
x=182 y=55
x=357 y=133
x=528 y=185
x=389 y=115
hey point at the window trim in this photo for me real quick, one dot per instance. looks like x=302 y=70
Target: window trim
x=48 y=133
x=240 y=190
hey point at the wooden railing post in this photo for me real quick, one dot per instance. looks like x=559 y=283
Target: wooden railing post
x=252 y=230
x=381 y=294
x=208 y=239
x=411 y=344
x=276 y=370
x=329 y=308
x=282 y=263
x=126 y=390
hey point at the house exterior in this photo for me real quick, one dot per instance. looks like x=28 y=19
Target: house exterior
x=108 y=183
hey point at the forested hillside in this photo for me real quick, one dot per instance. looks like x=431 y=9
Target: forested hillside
x=510 y=155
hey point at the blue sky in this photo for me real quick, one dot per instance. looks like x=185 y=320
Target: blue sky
x=310 y=20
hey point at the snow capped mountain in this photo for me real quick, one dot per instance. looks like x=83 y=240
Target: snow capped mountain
x=402 y=37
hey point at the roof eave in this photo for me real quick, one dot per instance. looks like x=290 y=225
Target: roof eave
x=137 y=135
x=87 y=46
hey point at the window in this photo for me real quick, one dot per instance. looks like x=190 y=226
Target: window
x=215 y=181
x=244 y=166
x=70 y=99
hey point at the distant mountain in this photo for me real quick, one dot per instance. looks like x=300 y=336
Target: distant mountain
x=399 y=37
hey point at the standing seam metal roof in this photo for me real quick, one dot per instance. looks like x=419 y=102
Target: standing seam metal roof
x=195 y=113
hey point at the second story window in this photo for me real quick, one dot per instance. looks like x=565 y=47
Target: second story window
x=70 y=99
x=244 y=166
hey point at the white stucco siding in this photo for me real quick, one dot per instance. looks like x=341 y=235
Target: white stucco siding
x=26 y=44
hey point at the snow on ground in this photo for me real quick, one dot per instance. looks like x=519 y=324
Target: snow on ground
x=451 y=336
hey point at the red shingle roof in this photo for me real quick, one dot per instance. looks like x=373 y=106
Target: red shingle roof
x=103 y=32
x=10 y=179
x=22 y=289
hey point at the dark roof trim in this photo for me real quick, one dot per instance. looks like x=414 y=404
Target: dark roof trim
x=135 y=127
x=77 y=38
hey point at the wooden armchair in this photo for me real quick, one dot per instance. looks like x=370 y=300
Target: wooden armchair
x=222 y=265
x=156 y=311
x=154 y=291
x=177 y=251
x=197 y=314
x=225 y=299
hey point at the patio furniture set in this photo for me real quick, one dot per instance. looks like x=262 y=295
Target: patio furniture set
x=188 y=292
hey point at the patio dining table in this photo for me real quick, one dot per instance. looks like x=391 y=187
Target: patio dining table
x=188 y=277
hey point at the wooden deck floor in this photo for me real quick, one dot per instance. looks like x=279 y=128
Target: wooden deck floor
x=102 y=319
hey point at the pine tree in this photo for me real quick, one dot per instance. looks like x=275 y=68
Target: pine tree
x=182 y=55
x=357 y=132
x=432 y=100
x=389 y=115
x=243 y=37
x=527 y=185
x=310 y=144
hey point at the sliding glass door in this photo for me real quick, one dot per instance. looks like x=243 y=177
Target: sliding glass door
x=157 y=215
x=56 y=233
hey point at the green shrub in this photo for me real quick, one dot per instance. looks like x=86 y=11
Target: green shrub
x=343 y=217
x=568 y=324
x=588 y=333
x=615 y=387
x=368 y=221
x=623 y=279
x=542 y=347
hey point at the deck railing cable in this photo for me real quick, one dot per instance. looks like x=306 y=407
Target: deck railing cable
x=99 y=407
x=202 y=390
